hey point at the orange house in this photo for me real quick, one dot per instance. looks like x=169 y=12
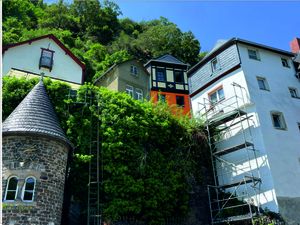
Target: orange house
x=168 y=82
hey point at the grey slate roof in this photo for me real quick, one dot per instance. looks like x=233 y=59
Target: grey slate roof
x=35 y=115
x=167 y=59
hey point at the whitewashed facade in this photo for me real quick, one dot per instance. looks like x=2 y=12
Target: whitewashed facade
x=270 y=94
x=25 y=58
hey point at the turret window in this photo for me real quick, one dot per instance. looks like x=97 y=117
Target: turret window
x=28 y=189
x=11 y=189
x=46 y=59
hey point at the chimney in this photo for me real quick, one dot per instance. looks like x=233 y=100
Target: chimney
x=295 y=45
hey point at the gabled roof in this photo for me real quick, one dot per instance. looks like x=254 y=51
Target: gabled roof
x=167 y=59
x=118 y=64
x=52 y=37
x=216 y=50
x=35 y=115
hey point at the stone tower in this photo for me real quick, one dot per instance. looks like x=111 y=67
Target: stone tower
x=35 y=153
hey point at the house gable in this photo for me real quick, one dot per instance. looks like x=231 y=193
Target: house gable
x=25 y=56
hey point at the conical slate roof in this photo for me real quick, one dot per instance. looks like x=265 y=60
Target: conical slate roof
x=35 y=115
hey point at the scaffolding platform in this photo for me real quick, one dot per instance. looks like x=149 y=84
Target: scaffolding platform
x=228 y=120
x=234 y=218
x=246 y=180
x=222 y=118
x=233 y=148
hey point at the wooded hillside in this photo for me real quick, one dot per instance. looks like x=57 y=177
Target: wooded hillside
x=95 y=34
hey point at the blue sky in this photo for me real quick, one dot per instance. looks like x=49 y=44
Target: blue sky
x=273 y=23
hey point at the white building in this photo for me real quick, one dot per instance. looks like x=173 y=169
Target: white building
x=45 y=54
x=260 y=81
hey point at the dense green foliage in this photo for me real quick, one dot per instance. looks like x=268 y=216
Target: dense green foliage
x=150 y=158
x=94 y=33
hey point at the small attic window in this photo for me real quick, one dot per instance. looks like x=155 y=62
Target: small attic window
x=46 y=60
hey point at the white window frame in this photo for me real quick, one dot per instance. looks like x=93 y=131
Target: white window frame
x=253 y=54
x=215 y=65
x=31 y=191
x=282 y=123
x=265 y=83
x=139 y=94
x=133 y=70
x=129 y=90
x=294 y=92
x=6 y=189
x=216 y=91
x=49 y=55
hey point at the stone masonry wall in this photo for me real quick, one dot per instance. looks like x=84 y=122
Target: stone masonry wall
x=44 y=159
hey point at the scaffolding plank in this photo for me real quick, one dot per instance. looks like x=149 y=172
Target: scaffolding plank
x=233 y=218
x=246 y=180
x=222 y=118
x=233 y=148
x=235 y=123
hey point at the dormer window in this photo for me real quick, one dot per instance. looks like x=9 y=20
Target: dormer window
x=46 y=60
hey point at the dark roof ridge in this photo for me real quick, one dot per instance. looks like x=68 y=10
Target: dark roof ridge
x=230 y=42
x=55 y=39
x=161 y=59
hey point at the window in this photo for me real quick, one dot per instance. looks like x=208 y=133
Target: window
x=11 y=189
x=278 y=120
x=253 y=54
x=284 y=62
x=178 y=76
x=46 y=59
x=28 y=189
x=216 y=95
x=215 y=65
x=262 y=83
x=299 y=126
x=138 y=94
x=133 y=70
x=129 y=90
x=180 y=101
x=160 y=74
x=294 y=92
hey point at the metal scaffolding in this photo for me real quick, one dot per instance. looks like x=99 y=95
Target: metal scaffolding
x=235 y=193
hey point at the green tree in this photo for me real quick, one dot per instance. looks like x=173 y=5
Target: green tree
x=148 y=154
x=163 y=37
x=58 y=16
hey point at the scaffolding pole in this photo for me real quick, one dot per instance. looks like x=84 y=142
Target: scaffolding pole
x=224 y=196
